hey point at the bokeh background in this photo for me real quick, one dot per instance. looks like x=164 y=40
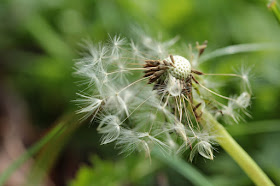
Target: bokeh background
x=39 y=40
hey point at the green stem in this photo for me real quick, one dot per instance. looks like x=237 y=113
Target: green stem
x=236 y=152
x=273 y=5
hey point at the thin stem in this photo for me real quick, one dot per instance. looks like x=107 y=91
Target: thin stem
x=136 y=109
x=211 y=91
x=125 y=70
x=191 y=110
x=132 y=84
x=232 y=75
x=236 y=152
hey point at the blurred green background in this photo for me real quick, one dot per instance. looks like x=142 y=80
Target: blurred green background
x=39 y=40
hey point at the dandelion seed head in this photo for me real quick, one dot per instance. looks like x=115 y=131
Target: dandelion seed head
x=137 y=116
x=181 y=68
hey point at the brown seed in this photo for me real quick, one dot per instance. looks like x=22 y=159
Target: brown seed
x=172 y=59
x=149 y=69
x=196 y=107
x=159 y=73
x=195 y=80
x=152 y=79
x=197 y=72
x=152 y=62
x=149 y=73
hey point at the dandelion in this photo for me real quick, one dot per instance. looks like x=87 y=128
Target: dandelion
x=144 y=97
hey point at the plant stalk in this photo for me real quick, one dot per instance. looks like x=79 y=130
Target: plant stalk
x=236 y=151
x=274 y=7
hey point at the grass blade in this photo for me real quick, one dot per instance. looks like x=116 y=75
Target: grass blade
x=50 y=153
x=182 y=167
x=30 y=152
x=241 y=48
x=254 y=127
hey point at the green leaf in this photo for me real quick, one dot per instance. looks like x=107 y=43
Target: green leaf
x=125 y=171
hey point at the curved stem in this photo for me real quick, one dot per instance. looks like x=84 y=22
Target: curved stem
x=236 y=151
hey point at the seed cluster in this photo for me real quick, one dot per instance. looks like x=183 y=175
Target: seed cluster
x=181 y=68
x=178 y=66
x=156 y=68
